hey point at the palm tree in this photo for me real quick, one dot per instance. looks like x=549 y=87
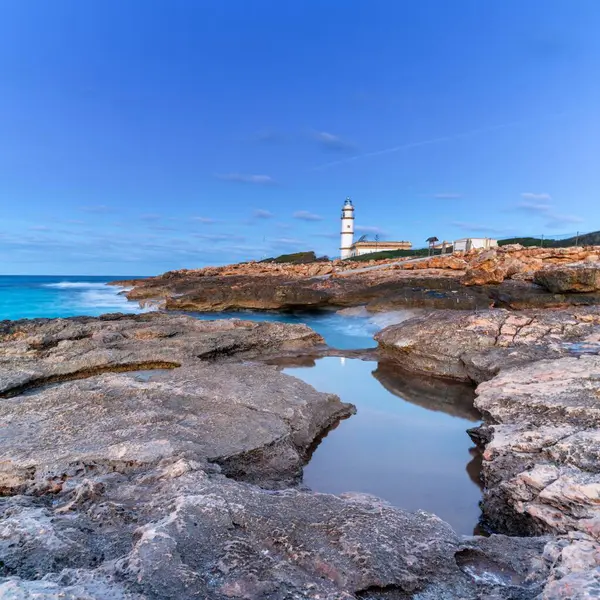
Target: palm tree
x=431 y=241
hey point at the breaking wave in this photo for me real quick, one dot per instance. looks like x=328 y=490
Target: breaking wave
x=93 y=298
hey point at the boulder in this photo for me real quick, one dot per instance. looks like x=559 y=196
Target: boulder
x=43 y=351
x=474 y=346
x=486 y=268
x=570 y=278
x=542 y=460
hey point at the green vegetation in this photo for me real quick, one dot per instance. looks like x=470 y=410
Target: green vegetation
x=525 y=241
x=297 y=258
x=586 y=239
x=390 y=254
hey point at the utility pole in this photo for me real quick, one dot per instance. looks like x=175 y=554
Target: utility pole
x=577 y=239
x=542 y=240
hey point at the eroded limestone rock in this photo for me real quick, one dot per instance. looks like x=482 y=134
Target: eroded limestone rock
x=475 y=346
x=583 y=277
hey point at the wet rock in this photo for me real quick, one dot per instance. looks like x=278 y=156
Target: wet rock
x=570 y=278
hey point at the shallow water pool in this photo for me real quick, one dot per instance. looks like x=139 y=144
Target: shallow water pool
x=407 y=443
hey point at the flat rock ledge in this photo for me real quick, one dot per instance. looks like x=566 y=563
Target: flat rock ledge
x=144 y=458
x=539 y=395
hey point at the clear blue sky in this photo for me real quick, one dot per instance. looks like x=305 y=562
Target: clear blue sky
x=142 y=136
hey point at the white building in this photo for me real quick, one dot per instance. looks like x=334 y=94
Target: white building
x=368 y=247
x=349 y=247
x=466 y=244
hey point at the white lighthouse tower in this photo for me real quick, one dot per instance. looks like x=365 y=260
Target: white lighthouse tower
x=347 y=229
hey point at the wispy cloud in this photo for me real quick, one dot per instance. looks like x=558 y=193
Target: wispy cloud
x=429 y=142
x=97 y=208
x=204 y=220
x=447 y=196
x=559 y=221
x=261 y=213
x=284 y=241
x=370 y=229
x=220 y=237
x=151 y=217
x=243 y=178
x=281 y=225
x=162 y=228
x=329 y=236
x=536 y=207
x=535 y=196
x=304 y=215
x=476 y=227
x=332 y=142
x=540 y=205
x=39 y=228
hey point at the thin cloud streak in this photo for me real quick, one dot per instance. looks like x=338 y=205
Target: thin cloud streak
x=431 y=142
x=243 y=178
x=369 y=229
x=304 y=215
x=447 y=196
x=261 y=213
x=465 y=226
x=535 y=196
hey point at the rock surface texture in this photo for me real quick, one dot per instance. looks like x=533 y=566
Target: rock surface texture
x=539 y=394
x=144 y=458
x=501 y=277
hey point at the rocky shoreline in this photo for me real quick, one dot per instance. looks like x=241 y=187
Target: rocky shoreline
x=508 y=277
x=178 y=482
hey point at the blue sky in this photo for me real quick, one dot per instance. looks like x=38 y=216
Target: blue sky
x=142 y=136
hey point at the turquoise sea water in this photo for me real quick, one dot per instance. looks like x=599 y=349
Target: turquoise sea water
x=407 y=443
x=29 y=297
x=32 y=296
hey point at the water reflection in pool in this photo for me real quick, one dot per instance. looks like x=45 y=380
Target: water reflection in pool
x=407 y=443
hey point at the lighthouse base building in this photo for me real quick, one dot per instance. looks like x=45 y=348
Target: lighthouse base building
x=350 y=248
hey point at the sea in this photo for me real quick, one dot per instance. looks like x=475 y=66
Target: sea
x=52 y=296
x=406 y=444
x=34 y=296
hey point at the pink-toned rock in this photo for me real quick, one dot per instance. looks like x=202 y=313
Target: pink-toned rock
x=485 y=269
x=543 y=457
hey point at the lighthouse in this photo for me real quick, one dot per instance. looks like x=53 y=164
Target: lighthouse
x=347 y=229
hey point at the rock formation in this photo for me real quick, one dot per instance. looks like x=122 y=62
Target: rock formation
x=476 y=279
x=143 y=459
x=570 y=278
x=538 y=392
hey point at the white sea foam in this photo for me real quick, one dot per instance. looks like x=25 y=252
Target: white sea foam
x=76 y=285
x=94 y=298
x=358 y=321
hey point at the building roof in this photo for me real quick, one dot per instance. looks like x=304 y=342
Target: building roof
x=380 y=243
